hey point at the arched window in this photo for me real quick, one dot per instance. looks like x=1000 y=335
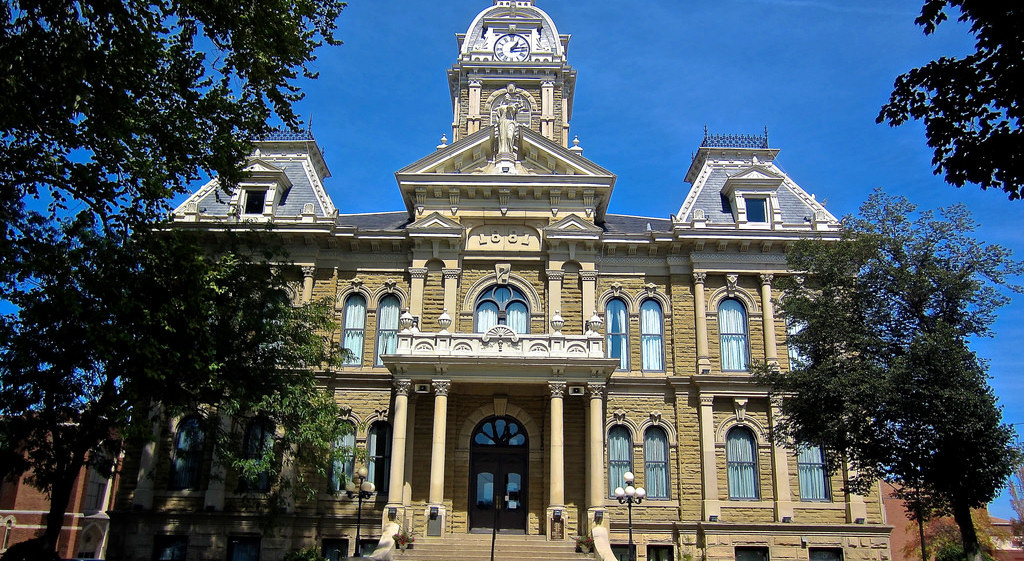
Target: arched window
x=502 y=305
x=796 y=358
x=187 y=459
x=732 y=330
x=741 y=460
x=355 y=328
x=656 y=463
x=378 y=452
x=651 y=326
x=387 y=326
x=620 y=456
x=813 y=481
x=8 y=526
x=259 y=439
x=343 y=459
x=616 y=324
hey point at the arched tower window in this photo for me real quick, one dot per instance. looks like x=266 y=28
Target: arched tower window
x=741 y=460
x=652 y=352
x=355 y=328
x=616 y=323
x=732 y=331
x=259 y=438
x=656 y=463
x=188 y=454
x=620 y=456
x=387 y=326
x=502 y=305
x=378 y=452
x=343 y=459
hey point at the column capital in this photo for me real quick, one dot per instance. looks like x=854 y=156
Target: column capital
x=707 y=400
x=441 y=387
x=595 y=390
x=475 y=83
x=308 y=270
x=418 y=272
x=402 y=386
x=557 y=388
x=590 y=276
x=451 y=273
x=547 y=84
x=555 y=274
x=766 y=279
x=699 y=277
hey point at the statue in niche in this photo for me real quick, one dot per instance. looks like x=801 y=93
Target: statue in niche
x=505 y=114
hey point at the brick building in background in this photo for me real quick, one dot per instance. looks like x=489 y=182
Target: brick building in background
x=86 y=524
x=519 y=347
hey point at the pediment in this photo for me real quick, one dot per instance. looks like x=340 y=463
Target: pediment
x=572 y=226
x=435 y=223
x=756 y=173
x=534 y=155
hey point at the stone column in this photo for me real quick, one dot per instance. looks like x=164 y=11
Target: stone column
x=771 y=351
x=407 y=486
x=556 y=455
x=399 y=433
x=589 y=279
x=595 y=441
x=780 y=473
x=855 y=507
x=418 y=275
x=144 y=485
x=451 y=286
x=435 y=497
x=708 y=463
x=700 y=316
x=555 y=277
x=307 y=282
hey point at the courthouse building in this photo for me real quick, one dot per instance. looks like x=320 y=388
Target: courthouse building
x=518 y=347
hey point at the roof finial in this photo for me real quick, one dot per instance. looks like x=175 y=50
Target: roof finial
x=576 y=146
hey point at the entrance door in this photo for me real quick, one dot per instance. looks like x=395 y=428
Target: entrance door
x=499 y=457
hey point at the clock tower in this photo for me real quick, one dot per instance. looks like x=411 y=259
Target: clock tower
x=512 y=54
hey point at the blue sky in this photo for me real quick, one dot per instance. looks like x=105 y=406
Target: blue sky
x=652 y=74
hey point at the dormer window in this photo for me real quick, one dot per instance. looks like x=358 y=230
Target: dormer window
x=757 y=209
x=255 y=199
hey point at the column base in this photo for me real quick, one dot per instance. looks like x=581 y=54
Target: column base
x=597 y=516
x=783 y=510
x=436 y=519
x=556 y=515
x=399 y=517
x=712 y=508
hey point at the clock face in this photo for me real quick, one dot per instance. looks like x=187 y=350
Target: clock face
x=512 y=48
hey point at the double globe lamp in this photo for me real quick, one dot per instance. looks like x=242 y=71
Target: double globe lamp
x=630 y=496
x=364 y=491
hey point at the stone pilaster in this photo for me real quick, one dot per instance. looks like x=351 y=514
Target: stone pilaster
x=595 y=449
x=555 y=277
x=771 y=351
x=708 y=464
x=589 y=279
x=451 y=286
x=308 y=272
x=418 y=276
x=700 y=316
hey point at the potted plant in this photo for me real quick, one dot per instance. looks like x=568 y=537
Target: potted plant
x=404 y=539
x=584 y=544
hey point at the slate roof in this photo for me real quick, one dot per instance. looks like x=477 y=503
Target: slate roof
x=624 y=224
x=376 y=220
x=216 y=202
x=719 y=211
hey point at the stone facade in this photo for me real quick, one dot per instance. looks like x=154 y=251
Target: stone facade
x=542 y=339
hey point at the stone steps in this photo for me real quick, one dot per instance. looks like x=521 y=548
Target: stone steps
x=477 y=547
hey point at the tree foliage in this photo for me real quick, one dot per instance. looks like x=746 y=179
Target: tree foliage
x=887 y=380
x=108 y=109
x=943 y=537
x=1017 y=502
x=972 y=106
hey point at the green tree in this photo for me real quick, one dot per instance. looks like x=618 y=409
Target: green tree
x=1017 y=501
x=972 y=106
x=888 y=381
x=108 y=109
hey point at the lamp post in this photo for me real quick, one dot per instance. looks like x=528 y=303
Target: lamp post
x=630 y=496
x=364 y=491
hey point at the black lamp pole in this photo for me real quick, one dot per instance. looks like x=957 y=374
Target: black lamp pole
x=364 y=491
x=630 y=496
